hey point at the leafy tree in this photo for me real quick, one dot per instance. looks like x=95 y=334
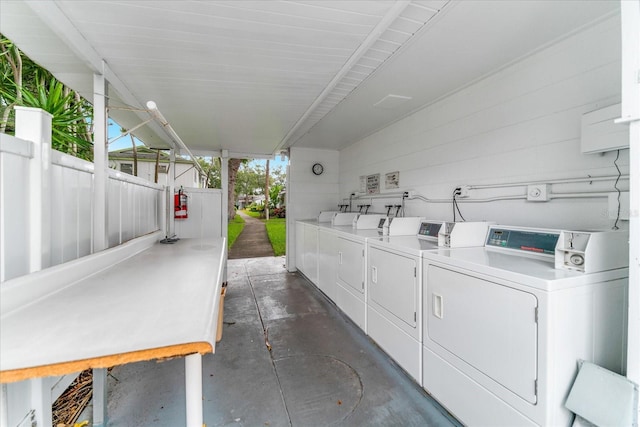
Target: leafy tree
x=25 y=83
x=212 y=169
x=250 y=180
x=274 y=192
x=234 y=166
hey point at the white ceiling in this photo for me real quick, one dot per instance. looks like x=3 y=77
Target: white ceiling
x=255 y=77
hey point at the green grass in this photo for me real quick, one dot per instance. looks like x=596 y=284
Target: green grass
x=277 y=235
x=251 y=213
x=234 y=229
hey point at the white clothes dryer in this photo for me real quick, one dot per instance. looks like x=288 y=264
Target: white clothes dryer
x=504 y=329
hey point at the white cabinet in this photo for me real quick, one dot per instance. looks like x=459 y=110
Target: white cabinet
x=327 y=262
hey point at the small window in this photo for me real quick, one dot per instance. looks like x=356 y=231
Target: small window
x=126 y=168
x=163 y=168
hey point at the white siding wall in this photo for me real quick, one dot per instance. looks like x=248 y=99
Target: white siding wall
x=520 y=124
x=308 y=194
x=205 y=214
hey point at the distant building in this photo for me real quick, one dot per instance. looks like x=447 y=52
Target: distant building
x=186 y=174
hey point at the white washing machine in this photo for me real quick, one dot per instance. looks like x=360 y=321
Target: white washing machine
x=394 y=298
x=350 y=278
x=504 y=329
x=327 y=252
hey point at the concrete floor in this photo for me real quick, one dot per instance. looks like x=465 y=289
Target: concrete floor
x=321 y=370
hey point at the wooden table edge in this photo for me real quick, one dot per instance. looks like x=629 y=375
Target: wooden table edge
x=178 y=350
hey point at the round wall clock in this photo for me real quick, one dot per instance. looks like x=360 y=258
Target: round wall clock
x=317 y=169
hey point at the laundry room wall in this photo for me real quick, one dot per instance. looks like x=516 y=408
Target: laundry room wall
x=520 y=124
x=309 y=194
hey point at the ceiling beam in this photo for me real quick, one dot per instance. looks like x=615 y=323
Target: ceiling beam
x=53 y=16
x=382 y=26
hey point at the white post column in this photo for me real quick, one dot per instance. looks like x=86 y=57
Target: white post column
x=224 y=181
x=630 y=13
x=99 y=397
x=172 y=192
x=41 y=400
x=100 y=163
x=193 y=387
x=224 y=218
x=100 y=241
x=34 y=124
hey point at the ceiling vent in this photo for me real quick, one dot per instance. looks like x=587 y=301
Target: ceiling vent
x=390 y=102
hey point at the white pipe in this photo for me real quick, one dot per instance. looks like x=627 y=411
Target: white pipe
x=153 y=110
x=377 y=196
x=579 y=195
x=550 y=181
x=373 y=36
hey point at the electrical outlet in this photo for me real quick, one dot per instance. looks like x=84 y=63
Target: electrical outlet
x=538 y=192
x=411 y=194
x=464 y=191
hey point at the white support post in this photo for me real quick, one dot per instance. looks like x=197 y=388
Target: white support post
x=172 y=192
x=630 y=15
x=4 y=406
x=630 y=18
x=224 y=218
x=41 y=401
x=34 y=124
x=193 y=387
x=100 y=163
x=99 y=397
x=224 y=180
x=290 y=264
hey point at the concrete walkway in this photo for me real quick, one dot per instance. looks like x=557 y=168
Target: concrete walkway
x=253 y=242
x=288 y=358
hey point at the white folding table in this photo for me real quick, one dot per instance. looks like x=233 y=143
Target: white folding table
x=161 y=302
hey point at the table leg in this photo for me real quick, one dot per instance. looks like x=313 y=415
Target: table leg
x=193 y=385
x=99 y=397
x=41 y=400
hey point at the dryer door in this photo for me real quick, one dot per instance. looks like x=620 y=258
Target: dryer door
x=393 y=284
x=487 y=325
x=351 y=264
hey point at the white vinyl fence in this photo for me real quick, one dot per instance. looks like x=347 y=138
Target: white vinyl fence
x=135 y=207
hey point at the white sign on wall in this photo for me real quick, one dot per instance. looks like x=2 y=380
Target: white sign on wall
x=373 y=184
x=392 y=180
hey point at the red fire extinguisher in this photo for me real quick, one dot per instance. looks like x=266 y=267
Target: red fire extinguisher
x=180 y=205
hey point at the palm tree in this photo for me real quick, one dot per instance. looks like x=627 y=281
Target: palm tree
x=25 y=83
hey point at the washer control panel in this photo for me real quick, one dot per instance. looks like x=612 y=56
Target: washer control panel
x=534 y=241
